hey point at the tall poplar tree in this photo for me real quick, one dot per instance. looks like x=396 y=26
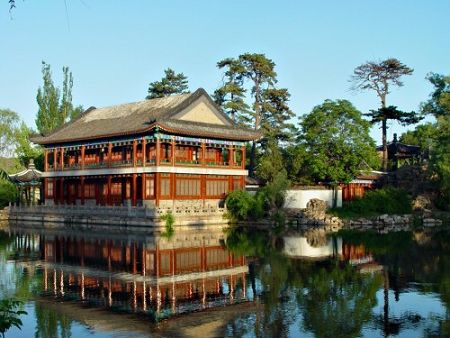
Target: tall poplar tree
x=54 y=109
x=378 y=77
x=171 y=84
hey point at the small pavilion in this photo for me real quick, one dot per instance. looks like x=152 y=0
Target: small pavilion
x=28 y=182
x=400 y=153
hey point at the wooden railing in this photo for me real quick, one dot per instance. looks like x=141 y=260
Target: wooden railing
x=139 y=163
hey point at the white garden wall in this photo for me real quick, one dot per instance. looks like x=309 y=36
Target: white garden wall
x=298 y=198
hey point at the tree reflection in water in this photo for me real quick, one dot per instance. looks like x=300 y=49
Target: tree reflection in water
x=327 y=297
x=25 y=283
x=331 y=296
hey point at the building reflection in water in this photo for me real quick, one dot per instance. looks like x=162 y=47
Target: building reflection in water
x=190 y=272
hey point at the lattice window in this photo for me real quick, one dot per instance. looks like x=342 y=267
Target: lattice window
x=187 y=186
x=150 y=186
x=50 y=189
x=165 y=185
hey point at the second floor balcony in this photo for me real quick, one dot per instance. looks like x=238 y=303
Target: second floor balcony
x=141 y=156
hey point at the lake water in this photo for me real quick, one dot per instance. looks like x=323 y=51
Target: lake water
x=244 y=283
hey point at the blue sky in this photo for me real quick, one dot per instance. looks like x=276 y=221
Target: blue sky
x=115 y=48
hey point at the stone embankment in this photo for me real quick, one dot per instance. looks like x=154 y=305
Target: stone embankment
x=315 y=216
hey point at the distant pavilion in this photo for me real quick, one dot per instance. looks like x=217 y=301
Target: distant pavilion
x=399 y=153
x=29 y=184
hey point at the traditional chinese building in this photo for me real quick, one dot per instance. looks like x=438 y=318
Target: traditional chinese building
x=28 y=182
x=168 y=152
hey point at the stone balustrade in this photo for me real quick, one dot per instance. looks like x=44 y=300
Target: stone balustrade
x=115 y=211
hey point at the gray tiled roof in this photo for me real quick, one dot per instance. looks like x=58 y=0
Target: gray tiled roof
x=139 y=117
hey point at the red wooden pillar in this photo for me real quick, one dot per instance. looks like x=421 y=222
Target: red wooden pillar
x=134 y=189
x=55 y=159
x=203 y=154
x=157 y=188
x=203 y=187
x=109 y=154
x=55 y=199
x=143 y=186
x=243 y=149
x=83 y=151
x=172 y=151
x=134 y=152
x=62 y=158
x=158 y=150
x=45 y=160
x=231 y=156
x=82 y=190
x=144 y=151
x=46 y=188
x=61 y=190
x=172 y=185
x=108 y=197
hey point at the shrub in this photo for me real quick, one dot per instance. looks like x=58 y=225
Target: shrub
x=239 y=204
x=382 y=201
x=169 y=219
x=8 y=193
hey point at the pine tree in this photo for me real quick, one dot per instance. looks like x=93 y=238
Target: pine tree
x=231 y=96
x=379 y=76
x=269 y=110
x=170 y=84
x=276 y=115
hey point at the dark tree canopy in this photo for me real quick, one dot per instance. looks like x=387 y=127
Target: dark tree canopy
x=171 y=84
x=392 y=113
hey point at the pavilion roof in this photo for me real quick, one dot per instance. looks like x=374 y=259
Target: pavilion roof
x=168 y=113
x=29 y=175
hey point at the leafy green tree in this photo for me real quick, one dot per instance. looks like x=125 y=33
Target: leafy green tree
x=231 y=95
x=440 y=160
x=296 y=163
x=10 y=313
x=25 y=151
x=271 y=162
x=439 y=102
x=171 y=84
x=54 y=109
x=9 y=122
x=424 y=135
x=439 y=106
x=337 y=141
x=378 y=77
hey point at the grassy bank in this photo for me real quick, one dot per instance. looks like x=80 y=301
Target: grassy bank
x=376 y=202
